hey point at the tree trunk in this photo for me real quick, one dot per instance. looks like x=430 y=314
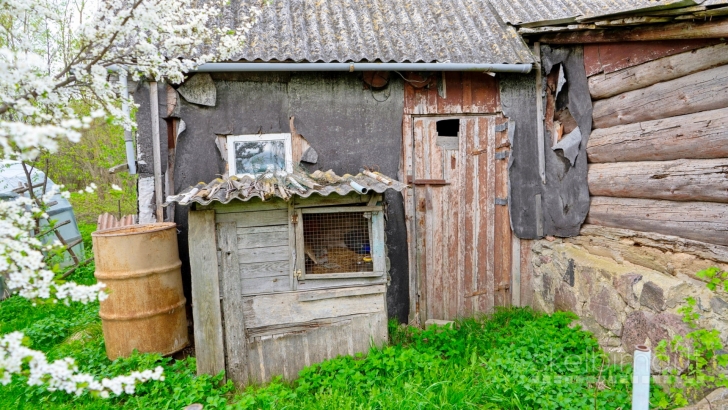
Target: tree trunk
x=656 y=71
x=700 y=221
x=702 y=91
x=702 y=135
x=681 y=180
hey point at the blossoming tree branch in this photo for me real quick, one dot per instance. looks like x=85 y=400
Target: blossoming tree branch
x=53 y=52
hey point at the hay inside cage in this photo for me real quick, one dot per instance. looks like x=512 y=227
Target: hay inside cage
x=337 y=242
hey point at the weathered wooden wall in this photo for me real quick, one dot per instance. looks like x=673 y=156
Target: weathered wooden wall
x=461 y=246
x=659 y=152
x=349 y=126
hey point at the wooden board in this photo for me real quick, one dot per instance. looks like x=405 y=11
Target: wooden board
x=610 y=57
x=264 y=269
x=464 y=92
x=285 y=308
x=700 y=221
x=269 y=254
x=680 y=180
x=702 y=91
x=701 y=135
x=456 y=227
x=232 y=285
x=206 y=293
x=265 y=285
x=287 y=351
x=263 y=237
x=663 y=69
x=676 y=31
x=255 y=218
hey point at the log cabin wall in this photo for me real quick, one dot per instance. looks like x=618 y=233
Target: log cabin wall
x=658 y=181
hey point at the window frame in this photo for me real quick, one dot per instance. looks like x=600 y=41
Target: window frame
x=376 y=241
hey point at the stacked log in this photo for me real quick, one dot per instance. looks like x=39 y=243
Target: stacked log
x=659 y=152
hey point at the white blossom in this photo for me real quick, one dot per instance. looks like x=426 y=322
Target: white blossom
x=39 y=76
x=116 y=187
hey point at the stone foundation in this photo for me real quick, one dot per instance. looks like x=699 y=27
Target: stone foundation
x=626 y=286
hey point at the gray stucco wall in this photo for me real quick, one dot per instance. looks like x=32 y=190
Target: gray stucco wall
x=347 y=125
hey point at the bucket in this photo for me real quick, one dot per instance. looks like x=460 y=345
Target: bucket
x=145 y=309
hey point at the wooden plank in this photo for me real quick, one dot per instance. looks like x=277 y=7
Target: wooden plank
x=264 y=285
x=664 y=69
x=253 y=204
x=702 y=91
x=292 y=250
x=255 y=218
x=236 y=349
x=281 y=308
x=339 y=209
x=673 y=31
x=264 y=269
x=340 y=293
x=335 y=200
x=502 y=229
x=515 y=271
x=702 y=135
x=700 y=221
x=469 y=206
x=276 y=236
x=610 y=57
x=206 y=293
x=348 y=275
x=680 y=180
x=270 y=254
x=405 y=171
x=340 y=283
x=419 y=203
x=488 y=138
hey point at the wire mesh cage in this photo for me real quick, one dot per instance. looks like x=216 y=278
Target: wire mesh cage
x=337 y=242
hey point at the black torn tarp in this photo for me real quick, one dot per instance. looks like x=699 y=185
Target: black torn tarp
x=565 y=196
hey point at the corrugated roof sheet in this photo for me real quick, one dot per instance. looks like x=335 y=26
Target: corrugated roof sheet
x=456 y=31
x=282 y=185
x=530 y=12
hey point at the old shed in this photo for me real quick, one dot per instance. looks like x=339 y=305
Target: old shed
x=565 y=155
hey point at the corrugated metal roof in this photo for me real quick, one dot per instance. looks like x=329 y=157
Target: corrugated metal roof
x=281 y=185
x=535 y=12
x=456 y=31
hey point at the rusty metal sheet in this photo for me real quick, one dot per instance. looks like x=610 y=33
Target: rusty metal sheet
x=109 y=221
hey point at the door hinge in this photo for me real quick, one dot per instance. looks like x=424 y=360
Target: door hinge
x=501 y=201
x=501 y=127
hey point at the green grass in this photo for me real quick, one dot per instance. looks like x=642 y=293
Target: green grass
x=513 y=359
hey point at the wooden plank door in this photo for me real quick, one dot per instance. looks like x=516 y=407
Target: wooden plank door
x=462 y=230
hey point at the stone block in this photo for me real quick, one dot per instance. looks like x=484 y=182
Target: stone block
x=624 y=285
x=636 y=329
x=606 y=307
x=718 y=305
x=569 y=274
x=565 y=300
x=653 y=297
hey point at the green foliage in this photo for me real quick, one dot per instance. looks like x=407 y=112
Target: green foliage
x=77 y=165
x=717 y=279
x=512 y=359
x=693 y=362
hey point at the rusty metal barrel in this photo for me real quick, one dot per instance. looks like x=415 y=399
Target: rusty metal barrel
x=145 y=309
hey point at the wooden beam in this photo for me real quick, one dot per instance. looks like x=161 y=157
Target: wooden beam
x=209 y=347
x=231 y=281
x=702 y=135
x=653 y=72
x=673 y=31
x=701 y=91
x=681 y=180
x=700 y=221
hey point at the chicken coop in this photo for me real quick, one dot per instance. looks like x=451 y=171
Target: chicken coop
x=288 y=269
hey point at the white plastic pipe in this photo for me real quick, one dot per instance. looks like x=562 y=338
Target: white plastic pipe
x=641 y=378
x=360 y=189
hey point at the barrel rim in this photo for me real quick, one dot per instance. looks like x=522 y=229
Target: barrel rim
x=123 y=230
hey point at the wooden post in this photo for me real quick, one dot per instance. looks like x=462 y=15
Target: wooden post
x=209 y=346
x=539 y=114
x=156 y=150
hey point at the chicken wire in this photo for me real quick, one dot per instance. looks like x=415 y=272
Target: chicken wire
x=337 y=242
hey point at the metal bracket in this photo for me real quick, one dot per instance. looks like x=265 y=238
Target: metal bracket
x=501 y=201
x=501 y=127
x=502 y=154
